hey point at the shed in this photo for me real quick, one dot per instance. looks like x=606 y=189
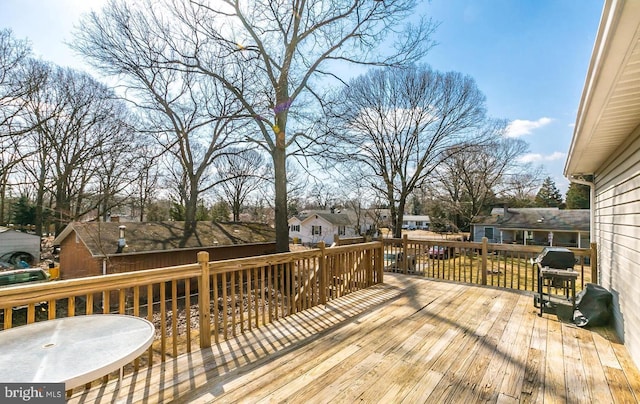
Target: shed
x=17 y=241
x=89 y=249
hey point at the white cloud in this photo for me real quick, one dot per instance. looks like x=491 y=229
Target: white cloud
x=555 y=156
x=536 y=157
x=521 y=127
x=530 y=158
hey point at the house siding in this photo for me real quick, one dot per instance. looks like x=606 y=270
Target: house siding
x=329 y=229
x=76 y=261
x=617 y=228
x=478 y=233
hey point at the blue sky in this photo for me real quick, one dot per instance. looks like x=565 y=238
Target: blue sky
x=529 y=57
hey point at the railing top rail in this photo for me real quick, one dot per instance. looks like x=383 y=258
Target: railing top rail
x=472 y=244
x=240 y=264
x=24 y=294
x=352 y=247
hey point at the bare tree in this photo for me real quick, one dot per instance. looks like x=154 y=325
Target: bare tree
x=41 y=105
x=270 y=55
x=240 y=173
x=362 y=200
x=114 y=175
x=191 y=116
x=520 y=189
x=145 y=165
x=76 y=124
x=398 y=125
x=322 y=195
x=14 y=84
x=468 y=181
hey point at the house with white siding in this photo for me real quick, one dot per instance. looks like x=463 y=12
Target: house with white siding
x=605 y=154
x=314 y=226
x=413 y=222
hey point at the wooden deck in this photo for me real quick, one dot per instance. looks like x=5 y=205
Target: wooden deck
x=409 y=340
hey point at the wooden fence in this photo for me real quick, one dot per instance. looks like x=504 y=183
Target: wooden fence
x=222 y=297
x=503 y=265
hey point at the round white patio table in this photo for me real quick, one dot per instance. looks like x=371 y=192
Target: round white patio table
x=72 y=350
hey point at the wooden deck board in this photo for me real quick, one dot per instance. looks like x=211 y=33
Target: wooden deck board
x=409 y=340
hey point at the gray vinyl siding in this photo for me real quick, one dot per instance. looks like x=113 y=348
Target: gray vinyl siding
x=617 y=230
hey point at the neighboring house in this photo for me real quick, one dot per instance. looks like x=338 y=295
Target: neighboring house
x=421 y=222
x=16 y=241
x=605 y=153
x=534 y=226
x=314 y=226
x=94 y=248
x=383 y=218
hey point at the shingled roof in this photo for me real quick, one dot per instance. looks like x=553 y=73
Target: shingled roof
x=537 y=219
x=338 y=219
x=101 y=238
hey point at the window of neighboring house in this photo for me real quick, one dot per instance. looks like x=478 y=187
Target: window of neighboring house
x=294 y=227
x=316 y=230
x=342 y=230
x=488 y=232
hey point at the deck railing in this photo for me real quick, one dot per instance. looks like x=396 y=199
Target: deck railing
x=503 y=265
x=223 y=297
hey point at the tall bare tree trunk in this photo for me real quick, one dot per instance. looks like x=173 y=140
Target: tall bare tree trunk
x=282 y=225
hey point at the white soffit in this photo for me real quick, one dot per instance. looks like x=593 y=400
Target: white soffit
x=609 y=110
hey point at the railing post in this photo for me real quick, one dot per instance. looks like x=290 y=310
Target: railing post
x=485 y=253
x=380 y=263
x=323 y=273
x=203 y=300
x=336 y=239
x=405 y=244
x=594 y=262
x=371 y=256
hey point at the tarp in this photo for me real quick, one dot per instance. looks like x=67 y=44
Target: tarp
x=593 y=306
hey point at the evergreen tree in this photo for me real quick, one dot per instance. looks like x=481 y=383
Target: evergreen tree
x=578 y=196
x=158 y=211
x=549 y=195
x=220 y=212
x=23 y=212
x=202 y=212
x=176 y=211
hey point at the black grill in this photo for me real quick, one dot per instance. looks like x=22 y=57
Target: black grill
x=555 y=257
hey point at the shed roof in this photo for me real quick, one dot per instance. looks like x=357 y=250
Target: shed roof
x=101 y=238
x=538 y=219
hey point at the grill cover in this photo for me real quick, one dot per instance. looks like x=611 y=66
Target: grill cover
x=593 y=306
x=556 y=257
